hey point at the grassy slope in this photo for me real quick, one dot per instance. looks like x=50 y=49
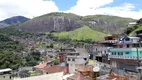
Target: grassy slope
x=138 y=29
x=82 y=33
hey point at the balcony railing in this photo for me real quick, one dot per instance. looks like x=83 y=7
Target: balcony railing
x=125 y=49
x=126 y=57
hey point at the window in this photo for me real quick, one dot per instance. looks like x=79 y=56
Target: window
x=108 y=50
x=127 y=39
x=140 y=52
x=68 y=59
x=105 y=51
x=120 y=53
x=121 y=46
x=113 y=53
x=135 y=45
x=73 y=59
x=52 y=56
x=127 y=52
x=77 y=54
x=128 y=45
x=85 y=59
x=141 y=45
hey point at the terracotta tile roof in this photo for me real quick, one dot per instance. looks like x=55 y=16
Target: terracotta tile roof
x=84 y=68
x=56 y=68
x=40 y=66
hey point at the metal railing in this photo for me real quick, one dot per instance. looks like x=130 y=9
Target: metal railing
x=126 y=57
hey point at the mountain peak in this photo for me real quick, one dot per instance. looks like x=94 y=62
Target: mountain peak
x=13 y=20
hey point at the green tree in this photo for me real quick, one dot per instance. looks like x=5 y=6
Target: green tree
x=24 y=73
x=51 y=46
x=56 y=62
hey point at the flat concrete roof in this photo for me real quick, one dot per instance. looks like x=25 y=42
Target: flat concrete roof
x=5 y=70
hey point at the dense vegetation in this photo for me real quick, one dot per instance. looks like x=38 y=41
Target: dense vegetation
x=134 y=29
x=8 y=56
x=11 y=52
x=6 y=44
x=32 y=59
x=10 y=60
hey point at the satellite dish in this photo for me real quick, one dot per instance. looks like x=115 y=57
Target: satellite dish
x=96 y=69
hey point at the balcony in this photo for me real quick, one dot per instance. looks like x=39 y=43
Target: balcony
x=125 y=57
x=125 y=49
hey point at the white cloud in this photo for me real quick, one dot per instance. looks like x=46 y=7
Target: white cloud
x=125 y=10
x=28 y=8
x=92 y=7
x=32 y=8
x=88 y=7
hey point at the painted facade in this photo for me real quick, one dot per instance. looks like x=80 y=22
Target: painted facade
x=127 y=54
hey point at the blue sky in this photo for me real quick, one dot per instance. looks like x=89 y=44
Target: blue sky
x=65 y=4
x=33 y=8
x=137 y=3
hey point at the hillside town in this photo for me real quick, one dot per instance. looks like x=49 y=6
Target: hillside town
x=70 y=40
x=116 y=57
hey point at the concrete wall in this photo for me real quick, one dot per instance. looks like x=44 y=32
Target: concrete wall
x=6 y=77
x=54 y=76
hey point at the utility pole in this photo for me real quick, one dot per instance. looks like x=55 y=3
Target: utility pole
x=138 y=57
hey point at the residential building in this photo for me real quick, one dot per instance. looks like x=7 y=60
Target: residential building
x=131 y=24
x=6 y=74
x=84 y=73
x=56 y=68
x=128 y=53
x=74 y=59
x=48 y=60
x=100 y=50
x=63 y=52
x=41 y=68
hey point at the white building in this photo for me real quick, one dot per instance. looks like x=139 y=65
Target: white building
x=74 y=59
x=5 y=74
x=132 y=24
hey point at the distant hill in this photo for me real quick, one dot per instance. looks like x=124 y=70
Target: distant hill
x=107 y=24
x=12 y=21
x=59 y=22
x=56 y=22
x=82 y=33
